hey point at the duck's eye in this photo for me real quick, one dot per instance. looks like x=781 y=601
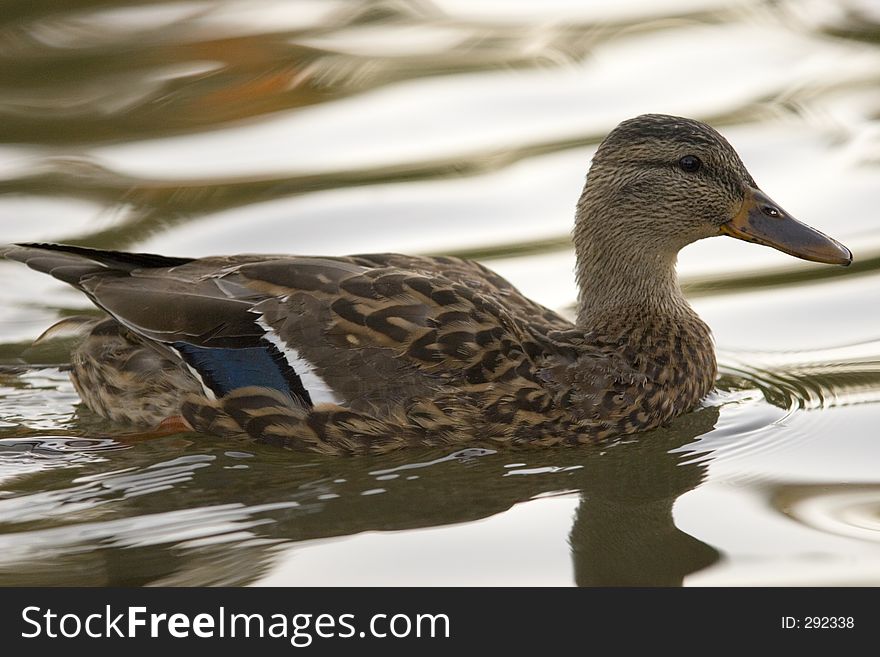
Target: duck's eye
x=690 y=163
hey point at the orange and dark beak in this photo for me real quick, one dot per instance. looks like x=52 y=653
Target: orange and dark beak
x=761 y=221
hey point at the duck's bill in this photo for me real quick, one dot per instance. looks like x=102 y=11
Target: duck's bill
x=762 y=221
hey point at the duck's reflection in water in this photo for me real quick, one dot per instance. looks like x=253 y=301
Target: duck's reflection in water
x=623 y=532
x=214 y=515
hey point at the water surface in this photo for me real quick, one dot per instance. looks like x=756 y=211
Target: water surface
x=444 y=126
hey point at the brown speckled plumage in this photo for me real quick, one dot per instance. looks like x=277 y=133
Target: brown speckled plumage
x=126 y=379
x=374 y=352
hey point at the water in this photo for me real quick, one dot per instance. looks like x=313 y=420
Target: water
x=444 y=126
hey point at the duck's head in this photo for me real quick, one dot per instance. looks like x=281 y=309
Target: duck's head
x=658 y=183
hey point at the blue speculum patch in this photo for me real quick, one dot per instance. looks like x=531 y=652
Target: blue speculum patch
x=225 y=369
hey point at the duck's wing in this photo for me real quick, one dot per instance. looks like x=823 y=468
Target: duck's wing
x=474 y=275
x=358 y=331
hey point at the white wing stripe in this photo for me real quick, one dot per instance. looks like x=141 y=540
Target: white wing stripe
x=317 y=388
x=198 y=377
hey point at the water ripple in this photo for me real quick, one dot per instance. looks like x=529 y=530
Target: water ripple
x=851 y=510
x=811 y=380
x=764 y=394
x=89 y=492
x=22 y=456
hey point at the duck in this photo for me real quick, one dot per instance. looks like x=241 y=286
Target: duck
x=368 y=353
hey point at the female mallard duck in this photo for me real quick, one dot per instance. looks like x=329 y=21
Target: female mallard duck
x=368 y=353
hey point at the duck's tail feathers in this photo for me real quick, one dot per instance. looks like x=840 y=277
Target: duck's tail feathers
x=75 y=326
x=72 y=264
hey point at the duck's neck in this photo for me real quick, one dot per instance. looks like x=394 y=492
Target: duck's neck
x=625 y=284
x=629 y=296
